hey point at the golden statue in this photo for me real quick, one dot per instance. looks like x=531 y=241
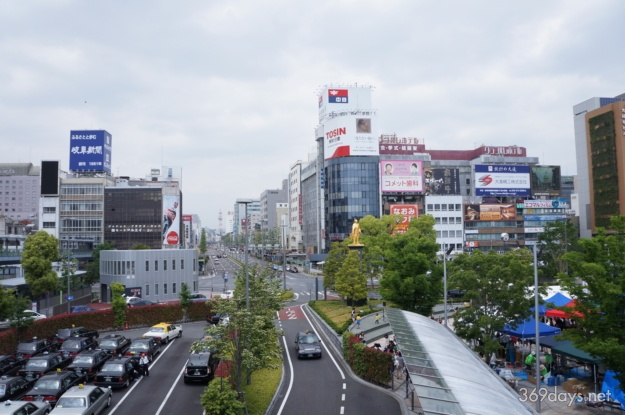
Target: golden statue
x=355 y=235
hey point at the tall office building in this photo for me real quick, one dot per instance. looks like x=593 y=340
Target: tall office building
x=580 y=111
x=350 y=158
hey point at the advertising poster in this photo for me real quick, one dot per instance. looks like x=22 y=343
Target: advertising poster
x=489 y=212
x=401 y=176
x=502 y=180
x=171 y=220
x=187 y=221
x=546 y=181
x=408 y=212
x=90 y=150
x=442 y=181
x=349 y=136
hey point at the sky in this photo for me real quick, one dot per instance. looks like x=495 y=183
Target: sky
x=226 y=91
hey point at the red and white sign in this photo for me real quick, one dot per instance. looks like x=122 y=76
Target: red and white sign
x=342 y=138
x=471 y=244
x=408 y=212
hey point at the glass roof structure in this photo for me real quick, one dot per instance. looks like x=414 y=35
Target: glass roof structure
x=448 y=377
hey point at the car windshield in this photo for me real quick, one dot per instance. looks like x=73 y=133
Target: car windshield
x=64 y=333
x=113 y=367
x=68 y=402
x=27 y=347
x=109 y=343
x=47 y=384
x=3 y=389
x=71 y=345
x=83 y=359
x=157 y=330
x=309 y=339
x=36 y=364
x=139 y=346
x=198 y=359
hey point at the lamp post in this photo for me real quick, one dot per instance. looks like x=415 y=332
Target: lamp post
x=283 y=252
x=537 y=328
x=247 y=280
x=445 y=253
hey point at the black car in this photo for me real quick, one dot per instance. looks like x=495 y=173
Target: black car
x=89 y=362
x=74 y=345
x=13 y=387
x=216 y=318
x=118 y=372
x=9 y=365
x=141 y=303
x=64 y=334
x=40 y=365
x=115 y=344
x=50 y=387
x=307 y=344
x=34 y=347
x=144 y=347
x=200 y=367
x=456 y=293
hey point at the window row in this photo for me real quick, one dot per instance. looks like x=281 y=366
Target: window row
x=448 y=221
x=444 y=207
x=449 y=234
x=86 y=189
x=165 y=286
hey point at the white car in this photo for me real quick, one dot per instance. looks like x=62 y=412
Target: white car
x=83 y=400
x=131 y=299
x=228 y=294
x=24 y=407
x=33 y=314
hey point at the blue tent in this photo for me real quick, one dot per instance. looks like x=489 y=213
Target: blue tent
x=610 y=385
x=558 y=299
x=527 y=329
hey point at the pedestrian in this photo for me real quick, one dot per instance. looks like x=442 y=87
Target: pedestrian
x=144 y=363
x=529 y=360
x=377 y=318
x=399 y=364
x=358 y=321
x=353 y=315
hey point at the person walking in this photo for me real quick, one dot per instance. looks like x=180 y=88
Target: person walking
x=377 y=318
x=358 y=321
x=144 y=364
x=399 y=364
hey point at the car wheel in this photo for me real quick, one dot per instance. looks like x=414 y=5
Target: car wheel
x=127 y=383
x=108 y=401
x=180 y=334
x=166 y=340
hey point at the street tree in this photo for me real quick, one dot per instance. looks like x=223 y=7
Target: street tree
x=249 y=339
x=351 y=281
x=118 y=304
x=92 y=275
x=411 y=279
x=498 y=288
x=202 y=247
x=40 y=250
x=139 y=247
x=596 y=280
x=333 y=262
x=558 y=238
x=377 y=235
x=185 y=300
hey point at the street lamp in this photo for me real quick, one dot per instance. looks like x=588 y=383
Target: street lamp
x=536 y=315
x=247 y=280
x=283 y=252
x=445 y=253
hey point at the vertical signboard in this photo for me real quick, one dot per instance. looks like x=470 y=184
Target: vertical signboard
x=90 y=150
x=187 y=220
x=171 y=220
x=442 y=181
x=401 y=176
x=408 y=212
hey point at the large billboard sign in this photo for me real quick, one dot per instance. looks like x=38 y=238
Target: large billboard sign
x=502 y=180
x=401 y=176
x=171 y=220
x=441 y=181
x=546 y=181
x=408 y=212
x=344 y=100
x=349 y=136
x=489 y=212
x=90 y=150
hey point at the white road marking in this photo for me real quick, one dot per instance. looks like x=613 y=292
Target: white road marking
x=342 y=410
x=344 y=385
x=343 y=397
x=288 y=391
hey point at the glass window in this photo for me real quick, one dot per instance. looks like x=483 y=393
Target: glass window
x=445 y=234
x=438 y=234
x=173 y=264
x=156 y=265
x=182 y=265
x=165 y=288
x=458 y=207
x=437 y=221
x=164 y=265
x=430 y=207
x=147 y=289
x=155 y=289
x=173 y=288
x=437 y=207
x=147 y=265
x=444 y=221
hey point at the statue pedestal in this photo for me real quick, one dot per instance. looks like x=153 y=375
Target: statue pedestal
x=356 y=247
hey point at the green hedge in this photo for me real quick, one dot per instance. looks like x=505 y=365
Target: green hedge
x=103 y=321
x=339 y=329
x=370 y=364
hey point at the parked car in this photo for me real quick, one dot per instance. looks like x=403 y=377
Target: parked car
x=13 y=387
x=198 y=297
x=84 y=400
x=141 y=303
x=50 y=387
x=35 y=347
x=72 y=346
x=32 y=314
x=132 y=299
x=89 y=362
x=118 y=372
x=163 y=332
x=66 y=333
x=307 y=345
x=219 y=318
x=114 y=344
x=40 y=365
x=228 y=295
x=200 y=367
x=292 y=269
x=9 y=364
x=82 y=309
x=144 y=347
x=23 y=408
x=456 y=293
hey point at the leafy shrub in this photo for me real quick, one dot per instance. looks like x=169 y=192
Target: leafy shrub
x=370 y=364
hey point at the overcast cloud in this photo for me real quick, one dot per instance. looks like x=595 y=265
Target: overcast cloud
x=226 y=90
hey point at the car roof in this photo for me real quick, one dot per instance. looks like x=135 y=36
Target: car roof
x=80 y=392
x=90 y=351
x=122 y=358
x=61 y=374
x=45 y=355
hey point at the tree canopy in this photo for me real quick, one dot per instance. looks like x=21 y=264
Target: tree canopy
x=557 y=239
x=351 y=281
x=40 y=250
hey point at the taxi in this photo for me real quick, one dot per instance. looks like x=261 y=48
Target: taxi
x=23 y=407
x=83 y=400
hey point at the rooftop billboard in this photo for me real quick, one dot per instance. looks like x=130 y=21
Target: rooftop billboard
x=442 y=181
x=502 y=180
x=349 y=136
x=401 y=176
x=90 y=150
x=546 y=181
x=489 y=212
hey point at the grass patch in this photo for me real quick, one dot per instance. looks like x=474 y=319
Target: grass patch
x=260 y=392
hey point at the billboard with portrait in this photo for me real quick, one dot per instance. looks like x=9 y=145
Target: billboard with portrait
x=502 y=180
x=441 y=181
x=349 y=136
x=408 y=212
x=90 y=150
x=401 y=176
x=489 y=212
x=546 y=181
x=171 y=220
